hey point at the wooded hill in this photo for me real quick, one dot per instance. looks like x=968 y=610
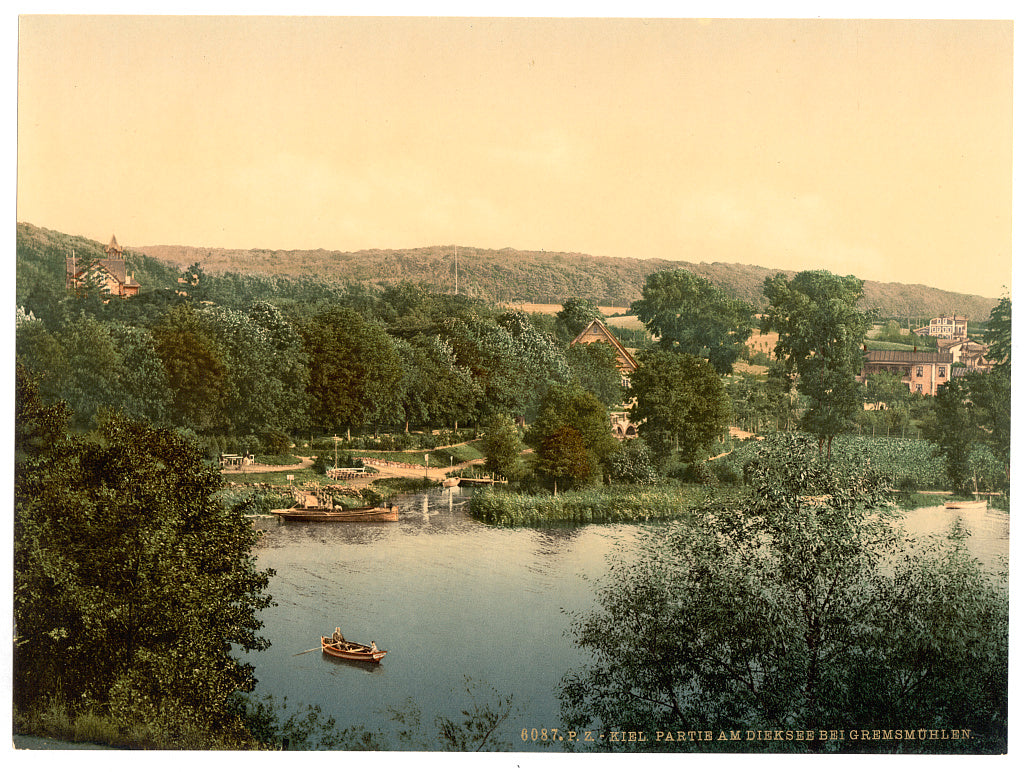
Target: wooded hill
x=501 y=276
x=520 y=276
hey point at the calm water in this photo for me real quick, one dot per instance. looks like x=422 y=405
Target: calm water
x=449 y=597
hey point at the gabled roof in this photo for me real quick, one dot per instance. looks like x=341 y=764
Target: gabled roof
x=596 y=331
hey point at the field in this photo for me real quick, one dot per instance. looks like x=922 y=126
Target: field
x=553 y=308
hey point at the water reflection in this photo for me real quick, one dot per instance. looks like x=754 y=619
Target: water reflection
x=988 y=529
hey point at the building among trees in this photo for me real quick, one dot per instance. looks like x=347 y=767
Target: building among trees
x=109 y=274
x=951 y=327
x=968 y=355
x=922 y=371
x=597 y=332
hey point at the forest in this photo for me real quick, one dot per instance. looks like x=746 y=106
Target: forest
x=502 y=276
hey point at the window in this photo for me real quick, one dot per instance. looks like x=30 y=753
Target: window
x=920 y=373
x=942 y=372
x=919 y=388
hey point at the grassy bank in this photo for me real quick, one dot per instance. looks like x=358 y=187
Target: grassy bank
x=616 y=504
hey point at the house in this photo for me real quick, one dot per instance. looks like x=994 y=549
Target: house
x=597 y=332
x=922 y=371
x=109 y=272
x=951 y=327
x=968 y=354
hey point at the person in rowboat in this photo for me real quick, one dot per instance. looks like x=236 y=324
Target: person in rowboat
x=373 y=646
x=338 y=637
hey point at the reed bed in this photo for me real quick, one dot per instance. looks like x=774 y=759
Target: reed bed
x=616 y=504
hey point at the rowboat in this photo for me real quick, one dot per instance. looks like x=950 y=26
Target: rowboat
x=450 y=482
x=982 y=504
x=358 y=652
x=332 y=515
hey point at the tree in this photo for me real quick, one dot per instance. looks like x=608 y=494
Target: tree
x=800 y=606
x=595 y=367
x=571 y=436
x=354 y=371
x=632 y=463
x=502 y=447
x=196 y=371
x=680 y=402
x=998 y=334
x=691 y=315
x=95 y=369
x=575 y=315
x=821 y=333
x=972 y=410
x=131 y=581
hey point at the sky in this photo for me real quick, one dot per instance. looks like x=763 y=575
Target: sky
x=879 y=148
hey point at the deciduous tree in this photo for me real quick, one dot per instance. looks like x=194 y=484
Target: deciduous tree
x=679 y=402
x=821 y=333
x=689 y=314
x=571 y=436
x=800 y=606
x=131 y=581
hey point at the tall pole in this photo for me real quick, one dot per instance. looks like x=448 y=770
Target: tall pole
x=456 y=269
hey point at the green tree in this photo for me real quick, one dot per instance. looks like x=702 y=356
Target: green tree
x=632 y=463
x=196 y=371
x=800 y=606
x=998 y=334
x=571 y=436
x=679 y=402
x=131 y=581
x=691 y=315
x=95 y=369
x=575 y=315
x=969 y=411
x=354 y=371
x=143 y=390
x=503 y=447
x=40 y=351
x=821 y=333
x=595 y=367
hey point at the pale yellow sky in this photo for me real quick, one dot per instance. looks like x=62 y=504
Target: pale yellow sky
x=882 y=149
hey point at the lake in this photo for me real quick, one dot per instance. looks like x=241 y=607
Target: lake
x=451 y=598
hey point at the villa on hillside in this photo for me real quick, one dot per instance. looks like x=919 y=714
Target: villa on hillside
x=951 y=327
x=110 y=272
x=597 y=332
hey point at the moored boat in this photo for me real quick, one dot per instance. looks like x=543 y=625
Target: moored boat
x=331 y=515
x=980 y=504
x=357 y=652
x=316 y=505
x=450 y=482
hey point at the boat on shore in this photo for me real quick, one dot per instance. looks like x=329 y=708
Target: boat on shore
x=980 y=504
x=332 y=515
x=356 y=652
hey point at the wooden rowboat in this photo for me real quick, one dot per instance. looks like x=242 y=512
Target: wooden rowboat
x=450 y=482
x=967 y=504
x=325 y=515
x=358 y=652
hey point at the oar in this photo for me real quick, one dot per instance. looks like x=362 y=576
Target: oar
x=318 y=648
